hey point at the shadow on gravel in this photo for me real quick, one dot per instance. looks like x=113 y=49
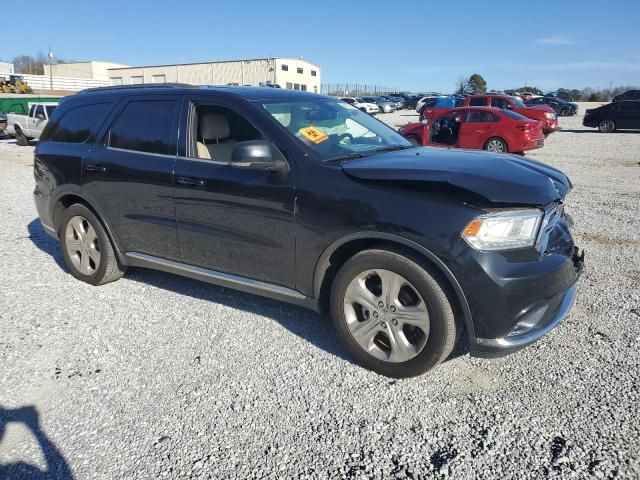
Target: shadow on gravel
x=44 y=242
x=314 y=328
x=594 y=130
x=56 y=465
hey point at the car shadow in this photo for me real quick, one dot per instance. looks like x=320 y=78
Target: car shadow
x=593 y=130
x=56 y=465
x=312 y=327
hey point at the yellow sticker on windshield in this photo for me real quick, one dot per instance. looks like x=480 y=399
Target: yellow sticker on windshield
x=313 y=134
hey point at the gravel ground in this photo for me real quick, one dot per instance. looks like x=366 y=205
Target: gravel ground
x=160 y=376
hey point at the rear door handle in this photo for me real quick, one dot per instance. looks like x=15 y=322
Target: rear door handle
x=191 y=181
x=95 y=168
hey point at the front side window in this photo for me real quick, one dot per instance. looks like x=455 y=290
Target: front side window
x=332 y=128
x=80 y=124
x=217 y=130
x=39 y=112
x=500 y=103
x=145 y=126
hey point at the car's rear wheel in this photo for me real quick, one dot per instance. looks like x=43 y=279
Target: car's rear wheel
x=21 y=138
x=86 y=247
x=414 y=139
x=496 y=145
x=392 y=313
x=607 y=126
x=565 y=112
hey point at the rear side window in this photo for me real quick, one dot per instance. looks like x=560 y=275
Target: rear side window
x=145 y=126
x=500 y=103
x=481 y=117
x=478 y=102
x=80 y=124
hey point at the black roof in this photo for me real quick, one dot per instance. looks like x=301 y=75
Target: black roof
x=249 y=93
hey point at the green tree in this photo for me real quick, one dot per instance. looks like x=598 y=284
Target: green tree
x=476 y=84
x=576 y=94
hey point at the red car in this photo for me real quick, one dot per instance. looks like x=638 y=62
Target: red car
x=542 y=113
x=481 y=128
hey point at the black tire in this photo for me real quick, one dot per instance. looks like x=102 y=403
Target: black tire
x=364 y=110
x=442 y=325
x=414 y=139
x=21 y=138
x=565 y=112
x=108 y=269
x=607 y=126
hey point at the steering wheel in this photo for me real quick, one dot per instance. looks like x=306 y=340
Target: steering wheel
x=345 y=139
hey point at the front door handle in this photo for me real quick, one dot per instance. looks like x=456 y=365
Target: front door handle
x=95 y=168
x=191 y=182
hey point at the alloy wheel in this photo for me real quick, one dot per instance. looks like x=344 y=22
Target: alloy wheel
x=607 y=126
x=82 y=245
x=496 y=146
x=386 y=315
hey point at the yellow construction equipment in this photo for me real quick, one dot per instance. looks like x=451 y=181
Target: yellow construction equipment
x=14 y=84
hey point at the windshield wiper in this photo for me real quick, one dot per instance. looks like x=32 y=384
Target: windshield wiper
x=339 y=158
x=392 y=148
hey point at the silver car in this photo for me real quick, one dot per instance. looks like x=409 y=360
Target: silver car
x=385 y=105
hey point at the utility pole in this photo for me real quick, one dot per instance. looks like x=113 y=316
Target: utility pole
x=50 y=67
x=610 y=85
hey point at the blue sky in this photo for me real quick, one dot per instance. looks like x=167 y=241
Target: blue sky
x=413 y=45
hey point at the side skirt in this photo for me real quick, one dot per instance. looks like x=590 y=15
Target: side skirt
x=221 y=279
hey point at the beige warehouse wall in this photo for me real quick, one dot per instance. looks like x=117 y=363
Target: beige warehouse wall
x=92 y=70
x=241 y=72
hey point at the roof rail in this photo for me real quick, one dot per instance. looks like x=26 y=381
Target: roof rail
x=133 y=87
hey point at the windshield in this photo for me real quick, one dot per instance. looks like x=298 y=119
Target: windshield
x=334 y=129
x=518 y=102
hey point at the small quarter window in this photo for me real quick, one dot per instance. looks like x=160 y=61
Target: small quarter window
x=80 y=124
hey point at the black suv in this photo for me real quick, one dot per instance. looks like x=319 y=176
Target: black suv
x=303 y=198
x=613 y=116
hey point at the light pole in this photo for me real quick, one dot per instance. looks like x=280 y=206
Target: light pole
x=50 y=68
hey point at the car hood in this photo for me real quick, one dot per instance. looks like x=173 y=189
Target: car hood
x=500 y=178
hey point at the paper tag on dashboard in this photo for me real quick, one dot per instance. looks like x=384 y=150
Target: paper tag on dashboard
x=313 y=134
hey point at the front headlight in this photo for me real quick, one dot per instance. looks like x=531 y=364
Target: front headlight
x=503 y=230
x=550 y=116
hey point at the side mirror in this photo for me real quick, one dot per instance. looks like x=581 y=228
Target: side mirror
x=255 y=155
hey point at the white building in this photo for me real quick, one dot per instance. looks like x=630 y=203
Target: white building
x=92 y=70
x=6 y=68
x=291 y=73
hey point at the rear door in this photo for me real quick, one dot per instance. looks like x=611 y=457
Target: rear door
x=477 y=127
x=128 y=175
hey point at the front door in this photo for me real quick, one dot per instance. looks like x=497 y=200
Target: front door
x=129 y=175
x=231 y=220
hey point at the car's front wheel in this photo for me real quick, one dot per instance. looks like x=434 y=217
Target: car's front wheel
x=392 y=313
x=565 y=112
x=607 y=126
x=86 y=247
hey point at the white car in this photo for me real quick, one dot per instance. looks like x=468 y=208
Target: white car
x=361 y=104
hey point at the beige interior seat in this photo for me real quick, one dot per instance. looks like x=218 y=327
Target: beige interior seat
x=214 y=142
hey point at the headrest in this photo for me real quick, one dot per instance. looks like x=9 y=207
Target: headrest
x=213 y=126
